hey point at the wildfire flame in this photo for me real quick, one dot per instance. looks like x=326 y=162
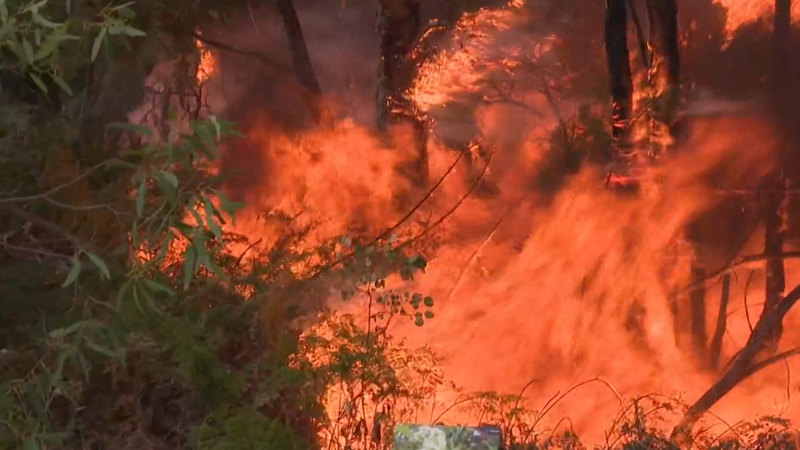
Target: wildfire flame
x=557 y=290
x=742 y=12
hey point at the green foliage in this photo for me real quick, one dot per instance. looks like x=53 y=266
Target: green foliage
x=129 y=322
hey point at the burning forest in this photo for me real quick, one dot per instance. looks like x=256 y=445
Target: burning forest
x=301 y=224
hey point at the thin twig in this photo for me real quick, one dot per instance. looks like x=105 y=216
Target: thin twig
x=249 y=247
x=260 y=57
x=390 y=230
x=453 y=209
x=739 y=262
x=746 y=308
x=477 y=251
x=50 y=192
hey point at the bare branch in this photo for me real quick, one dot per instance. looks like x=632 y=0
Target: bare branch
x=50 y=192
x=744 y=364
x=736 y=263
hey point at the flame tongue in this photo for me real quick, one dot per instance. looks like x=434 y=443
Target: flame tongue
x=742 y=12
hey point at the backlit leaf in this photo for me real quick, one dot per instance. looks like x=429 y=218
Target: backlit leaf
x=74 y=271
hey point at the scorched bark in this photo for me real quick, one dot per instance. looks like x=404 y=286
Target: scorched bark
x=665 y=63
x=301 y=61
x=619 y=71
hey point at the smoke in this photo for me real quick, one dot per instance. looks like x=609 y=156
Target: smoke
x=557 y=285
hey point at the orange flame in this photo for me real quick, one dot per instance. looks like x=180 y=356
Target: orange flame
x=742 y=12
x=561 y=291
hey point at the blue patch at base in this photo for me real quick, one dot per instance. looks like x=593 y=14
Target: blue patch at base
x=440 y=437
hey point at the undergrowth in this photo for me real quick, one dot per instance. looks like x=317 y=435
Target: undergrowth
x=132 y=318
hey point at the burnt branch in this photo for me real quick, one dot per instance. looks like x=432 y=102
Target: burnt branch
x=736 y=263
x=747 y=362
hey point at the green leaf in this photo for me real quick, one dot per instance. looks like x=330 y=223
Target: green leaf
x=98 y=41
x=155 y=286
x=217 y=126
x=205 y=259
x=101 y=265
x=125 y=30
x=3 y=10
x=64 y=332
x=418 y=262
x=38 y=82
x=162 y=252
x=6 y=26
x=210 y=213
x=61 y=83
x=201 y=129
x=141 y=194
x=44 y=50
x=126 y=13
x=228 y=206
x=196 y=216
x=170 y=178
x=74 y=271
x=37 y=18
x=101 y=349
x=34 y=7
x=28 y=49
x=188 y=267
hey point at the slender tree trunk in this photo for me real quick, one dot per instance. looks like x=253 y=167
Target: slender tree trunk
x=619 y=71
x=697 y=301
x=722 y=322
x=774 y=194
x=301 y=61
x=665 y=70
x=644 y=52
x=399 y=27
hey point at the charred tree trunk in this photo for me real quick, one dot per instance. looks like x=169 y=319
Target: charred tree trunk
x=722 y=322
x=301 y=61
x=619 y=72
x=644 y=52
x=697 y=301
x=399 y=27
x=665 y=70
x=774 y=194
x=760 y=349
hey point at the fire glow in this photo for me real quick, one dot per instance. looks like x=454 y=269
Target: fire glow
x=559 y=290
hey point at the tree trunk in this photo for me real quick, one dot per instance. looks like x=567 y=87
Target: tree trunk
x=665 y=70
x=774 y=194
x=619 y=72
x=722 y=322
x=697 y=301
x=399 y=27
x=301 y=61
